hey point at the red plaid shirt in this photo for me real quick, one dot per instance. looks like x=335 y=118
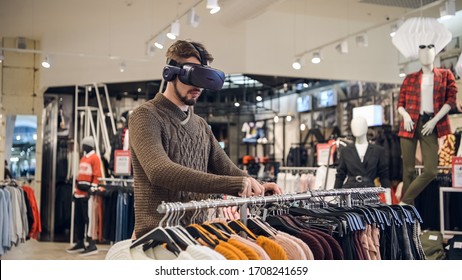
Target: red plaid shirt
x=444 y=92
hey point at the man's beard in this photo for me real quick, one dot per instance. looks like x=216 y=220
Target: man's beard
x=184 y=99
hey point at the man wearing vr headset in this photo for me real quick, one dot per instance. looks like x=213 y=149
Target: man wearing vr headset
x=175 y=155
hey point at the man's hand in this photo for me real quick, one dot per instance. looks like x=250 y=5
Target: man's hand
x=271 y=188
x=252 y=188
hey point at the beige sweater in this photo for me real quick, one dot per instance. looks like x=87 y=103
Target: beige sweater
x=175 y=157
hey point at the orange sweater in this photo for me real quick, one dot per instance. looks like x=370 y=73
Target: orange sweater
x=89 y=171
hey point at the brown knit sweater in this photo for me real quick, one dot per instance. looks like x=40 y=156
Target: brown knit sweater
x=175 y=157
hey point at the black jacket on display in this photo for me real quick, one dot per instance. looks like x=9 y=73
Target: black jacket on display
x=362 y=174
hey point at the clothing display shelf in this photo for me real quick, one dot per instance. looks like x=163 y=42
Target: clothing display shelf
x=440 y=168
x=170 y=207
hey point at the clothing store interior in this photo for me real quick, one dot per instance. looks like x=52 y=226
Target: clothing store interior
x=315 y=99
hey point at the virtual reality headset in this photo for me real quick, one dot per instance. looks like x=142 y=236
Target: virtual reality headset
x=197 y=75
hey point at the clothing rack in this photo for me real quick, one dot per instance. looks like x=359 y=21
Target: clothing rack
x=300 y=169
x=116 y=180
x=71 y=240
x=167 y=208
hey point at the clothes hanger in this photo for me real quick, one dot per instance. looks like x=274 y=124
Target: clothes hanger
x=414 y=211
x=180 y=236
x=297 y=211
x=238 y=226
x=216 y=232
x=156 y=237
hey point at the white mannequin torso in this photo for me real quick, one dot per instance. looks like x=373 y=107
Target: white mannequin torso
x=426 y=93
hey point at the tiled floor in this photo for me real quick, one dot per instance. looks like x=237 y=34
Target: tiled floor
x=35 y=250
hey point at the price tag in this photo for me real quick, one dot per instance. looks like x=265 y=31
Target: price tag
x=457 y=172
x=323 y=154
x=122 y=163
x=433 y=237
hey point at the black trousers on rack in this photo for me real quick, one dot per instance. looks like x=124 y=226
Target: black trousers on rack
x=81 y=217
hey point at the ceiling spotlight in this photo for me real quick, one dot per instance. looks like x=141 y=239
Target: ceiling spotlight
x=46 y=62
x=237 y=104
x=448 y=9
x=394 y=27
x=259 y=98
x=302 y=127
x=122 y=67
x=174 y=30
x=402 y=72
x=316 y=57
x=276 y=119
x=342 y=47
x=193 y=18
x=213 y=6
x=288 y=118
x=362 y=40
x=297 y=64
x=159 y=43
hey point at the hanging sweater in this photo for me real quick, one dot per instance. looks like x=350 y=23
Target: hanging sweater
x=175 y=157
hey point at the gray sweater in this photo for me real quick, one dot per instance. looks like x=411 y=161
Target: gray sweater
x=175 y=157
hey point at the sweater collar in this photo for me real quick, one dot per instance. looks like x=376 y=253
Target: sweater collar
x=176 y=112
x=89 y=154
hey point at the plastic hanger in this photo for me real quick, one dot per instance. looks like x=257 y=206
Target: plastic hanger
x=238 y=226
x=216 y=232
x=156 y=237
x=196 y=233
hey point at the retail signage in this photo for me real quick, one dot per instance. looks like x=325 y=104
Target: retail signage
x=457 y=172
x=122 y=164
x=323 y=153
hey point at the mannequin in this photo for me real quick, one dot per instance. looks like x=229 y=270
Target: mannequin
x=360 y=163
x=88 y=179
x=425 y=99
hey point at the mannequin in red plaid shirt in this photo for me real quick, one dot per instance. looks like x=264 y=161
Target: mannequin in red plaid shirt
x=425 y=99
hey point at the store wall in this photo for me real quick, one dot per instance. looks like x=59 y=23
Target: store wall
x=20 y=95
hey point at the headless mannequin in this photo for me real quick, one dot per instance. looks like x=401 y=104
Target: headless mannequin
x=360 y=163
x=423 y=130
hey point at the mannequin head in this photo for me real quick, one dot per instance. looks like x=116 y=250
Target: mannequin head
x=86 y=149
x=359 y=127
x=427 y=54
x=88 y=144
